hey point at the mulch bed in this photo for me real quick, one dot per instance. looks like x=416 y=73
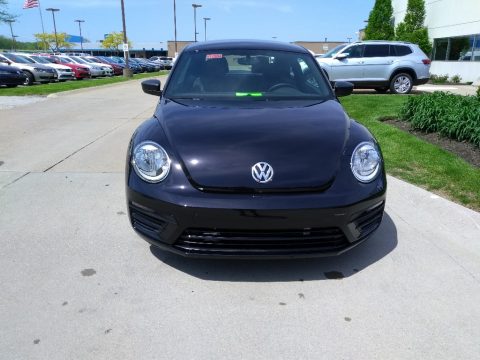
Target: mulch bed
x=468 y=152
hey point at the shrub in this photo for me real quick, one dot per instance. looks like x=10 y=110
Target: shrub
x=379 y=25
x=478 y=92
x=453 y=116
x=438 y=79
x=456 y=79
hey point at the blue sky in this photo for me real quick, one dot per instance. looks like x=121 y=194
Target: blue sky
x=151 y=21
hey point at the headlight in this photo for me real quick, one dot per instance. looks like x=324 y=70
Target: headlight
x=151 y=162
x=40 y=70
x=366 y=162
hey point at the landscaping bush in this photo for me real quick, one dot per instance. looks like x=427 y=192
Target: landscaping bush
x=438 y=79
x=453 y=116
x=456 y=79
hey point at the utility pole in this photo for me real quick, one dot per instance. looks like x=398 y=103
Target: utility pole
x=205 y=20
x=195 y=6
x=14 y=44
x=175 y=25
x=54 y=26
x=80 y=28
x=126 y=72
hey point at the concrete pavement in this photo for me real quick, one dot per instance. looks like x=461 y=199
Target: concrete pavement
x=78 y=283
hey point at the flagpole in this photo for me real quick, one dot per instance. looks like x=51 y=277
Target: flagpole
x=43 y=28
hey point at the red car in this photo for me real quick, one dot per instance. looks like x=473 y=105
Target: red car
x=81 y=72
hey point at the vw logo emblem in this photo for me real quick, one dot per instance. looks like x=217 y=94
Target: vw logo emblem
x=262 y=172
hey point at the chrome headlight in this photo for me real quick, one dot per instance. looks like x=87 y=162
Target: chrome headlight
x=151 y=162
x=365 y=162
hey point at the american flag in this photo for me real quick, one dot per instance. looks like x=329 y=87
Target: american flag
x=28 y=4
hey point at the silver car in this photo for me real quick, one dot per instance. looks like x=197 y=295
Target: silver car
x=34 y=72
x=380 y=65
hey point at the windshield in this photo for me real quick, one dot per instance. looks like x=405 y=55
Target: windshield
x=51 y=61
x=18 y=59
x=78 y=60
x=40 y=60
x=247 y=74
x=87 y=60
x=333 y=52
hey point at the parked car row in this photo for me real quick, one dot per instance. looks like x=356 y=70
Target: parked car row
x=27 y=69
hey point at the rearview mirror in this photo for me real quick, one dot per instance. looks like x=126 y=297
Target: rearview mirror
x=341 y=56
x=152 y=87
x=343 y=88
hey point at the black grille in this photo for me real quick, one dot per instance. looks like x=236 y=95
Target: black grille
x=146 y=223
x=261 y=242
x=369 y=220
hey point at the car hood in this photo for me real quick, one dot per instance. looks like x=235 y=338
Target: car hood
x=217 y=147
x=59 y=67
x=31 y=66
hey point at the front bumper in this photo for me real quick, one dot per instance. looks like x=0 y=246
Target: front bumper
x=231 y=229
x=66 y=76
x=13 y=79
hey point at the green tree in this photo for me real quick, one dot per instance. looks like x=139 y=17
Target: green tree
x=380 y=26
x=50 y=41
x=7 y=43
x=412 y=28
x=4 y=14
x=113 y=41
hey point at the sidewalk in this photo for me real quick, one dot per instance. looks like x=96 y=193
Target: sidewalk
x=453 y=88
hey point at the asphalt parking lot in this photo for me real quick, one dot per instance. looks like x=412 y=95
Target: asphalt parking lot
x=78 y=283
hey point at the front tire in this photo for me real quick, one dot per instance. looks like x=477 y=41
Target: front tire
x=30 y=79
x=401 y=84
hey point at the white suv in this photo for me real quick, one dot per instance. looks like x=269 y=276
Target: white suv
x=380 y=65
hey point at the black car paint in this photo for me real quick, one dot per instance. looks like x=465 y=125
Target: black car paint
x=210 y=187
x=11 y=75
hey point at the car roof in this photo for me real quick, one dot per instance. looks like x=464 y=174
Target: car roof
x=244 y=44
x=391 y=42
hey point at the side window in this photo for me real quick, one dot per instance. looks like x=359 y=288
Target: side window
x=355 y=51
x=307 y=73
x=401 y=50
x=377 y=51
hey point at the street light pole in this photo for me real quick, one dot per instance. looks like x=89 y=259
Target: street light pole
x=206 y=19
x=175 y=25
x=195 y=6
x=54 y=25
x=126 y=71
x=80 y=28
x=10 y=21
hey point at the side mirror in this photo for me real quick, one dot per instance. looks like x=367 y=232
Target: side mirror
x=5 y=61
x=341 y=56
x=152 y=87
x=343 y=88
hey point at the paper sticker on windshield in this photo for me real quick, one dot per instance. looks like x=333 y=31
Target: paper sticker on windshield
x=214 y=56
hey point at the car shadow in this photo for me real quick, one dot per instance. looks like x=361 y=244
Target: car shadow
x=374 y=249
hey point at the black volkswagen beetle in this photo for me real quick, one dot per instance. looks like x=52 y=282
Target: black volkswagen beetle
x=250 y=154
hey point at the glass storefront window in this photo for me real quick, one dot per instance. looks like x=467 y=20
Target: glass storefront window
x=440 y=48
x=476 y=49
x=462 y=48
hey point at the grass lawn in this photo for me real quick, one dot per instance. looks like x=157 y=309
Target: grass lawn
x=412 y=159
x=71 y=85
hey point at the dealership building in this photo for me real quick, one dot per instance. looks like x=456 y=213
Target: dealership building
x=454 y=29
